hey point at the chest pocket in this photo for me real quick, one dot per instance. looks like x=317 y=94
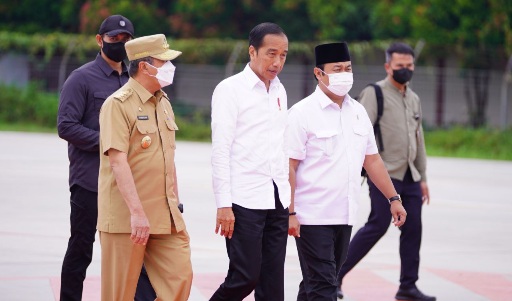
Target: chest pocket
x=360 y=131
x=327 y=141
x=145 y=137
x=99 y=99
x=171 y=125
x=360 y=138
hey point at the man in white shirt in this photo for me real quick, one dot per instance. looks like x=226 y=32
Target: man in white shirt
x=250 y=170
x=330 y=138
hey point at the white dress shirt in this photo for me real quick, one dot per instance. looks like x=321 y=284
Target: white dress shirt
x=248 y=142
x=331 y=144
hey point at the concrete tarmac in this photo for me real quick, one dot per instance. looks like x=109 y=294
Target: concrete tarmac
x=467 y=229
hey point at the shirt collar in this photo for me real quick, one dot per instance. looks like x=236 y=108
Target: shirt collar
x=144 y=94
x=325 y=101
x=388 y=84
x=253 y=79
x=105 y=67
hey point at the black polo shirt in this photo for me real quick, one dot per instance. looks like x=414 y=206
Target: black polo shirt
x=80 y=102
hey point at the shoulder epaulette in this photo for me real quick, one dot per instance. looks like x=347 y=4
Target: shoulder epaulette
x=123 y=95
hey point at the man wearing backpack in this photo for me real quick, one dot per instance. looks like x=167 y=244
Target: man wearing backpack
x=402 y=149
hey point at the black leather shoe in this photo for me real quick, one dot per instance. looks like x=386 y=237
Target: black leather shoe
x=339 y=293
x=413 y=294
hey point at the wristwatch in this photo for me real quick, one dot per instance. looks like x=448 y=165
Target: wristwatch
x=395 y=198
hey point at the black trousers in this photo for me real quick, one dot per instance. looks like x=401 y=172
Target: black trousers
x=83 y=219
x=322 y=250
x=378 y=223
x=256 y=254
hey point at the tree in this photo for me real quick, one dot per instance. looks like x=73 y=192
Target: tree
x=437 y=22
x=218 y=18
x=148 y=16
x=30 y=16
x=340 y=20
x=477 y=31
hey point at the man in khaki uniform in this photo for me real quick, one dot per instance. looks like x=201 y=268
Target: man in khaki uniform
x=138 y=216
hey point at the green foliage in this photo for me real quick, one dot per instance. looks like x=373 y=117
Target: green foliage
x=465 y=23
x=443 y=24
x=340 y=20
x=28 y=105
x=193 y=122
x=470 y=143
x=30 y=16
x=31 y=109
x=148 y=17
x=195 y=51
x=235 y=19
x=47 y=45
x=391 y=19
x=196 y=129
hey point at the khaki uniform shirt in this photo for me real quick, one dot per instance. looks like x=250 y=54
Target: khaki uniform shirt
x=140 y=124
x=402 y=132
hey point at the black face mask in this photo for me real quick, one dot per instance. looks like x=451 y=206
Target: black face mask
x=402 y=76
x=114 y=51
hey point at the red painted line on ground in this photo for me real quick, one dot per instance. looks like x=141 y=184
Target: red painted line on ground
x=22 y=278
x=29 y=234
x=496 y=287
x=364 y=285
x=207 y=284
x=360 y=284
x=92 y=288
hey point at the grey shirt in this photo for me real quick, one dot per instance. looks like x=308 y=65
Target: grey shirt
x=402 y=132
x=80 y=101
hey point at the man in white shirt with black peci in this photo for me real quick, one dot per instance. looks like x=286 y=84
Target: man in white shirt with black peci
x=330 y=138
x=250 y=170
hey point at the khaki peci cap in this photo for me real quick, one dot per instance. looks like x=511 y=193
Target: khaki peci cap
x=155 y=46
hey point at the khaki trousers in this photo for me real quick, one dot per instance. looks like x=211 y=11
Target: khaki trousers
x=167 y=260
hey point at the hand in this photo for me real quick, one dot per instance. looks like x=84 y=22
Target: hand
x=225 y=221
x=398 y=213
x=140 y=228
x=425 y=195
x=293 y=226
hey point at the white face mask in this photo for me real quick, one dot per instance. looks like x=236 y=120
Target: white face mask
x=340 y=83
x=164 y=74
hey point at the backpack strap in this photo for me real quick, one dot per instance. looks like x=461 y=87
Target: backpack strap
x=380 y=110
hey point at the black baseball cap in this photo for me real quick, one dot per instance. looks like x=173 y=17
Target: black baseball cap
x=115 y=25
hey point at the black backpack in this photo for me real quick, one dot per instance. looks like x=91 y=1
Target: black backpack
x=376 y=125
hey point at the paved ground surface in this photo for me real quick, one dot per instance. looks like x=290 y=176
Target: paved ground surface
x=466 y=253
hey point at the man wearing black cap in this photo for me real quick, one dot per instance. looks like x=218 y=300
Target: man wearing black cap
x=330 y=138
x=81 y=98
